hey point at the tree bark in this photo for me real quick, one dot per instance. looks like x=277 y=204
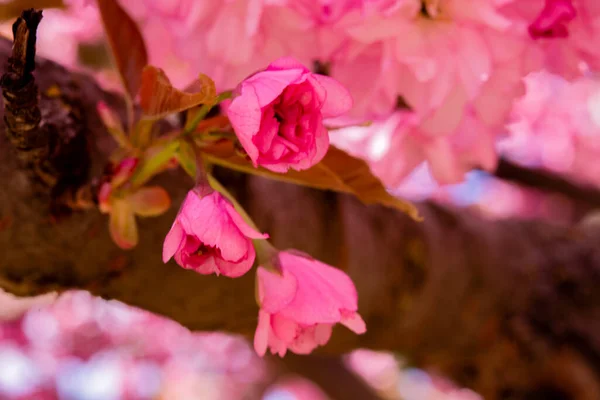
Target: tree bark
x=508 y=308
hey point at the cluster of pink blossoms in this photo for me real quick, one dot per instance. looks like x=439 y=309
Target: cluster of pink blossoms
x=277 y=115
x=455 y=67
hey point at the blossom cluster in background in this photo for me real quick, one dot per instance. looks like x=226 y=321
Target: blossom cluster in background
x=440 y=88
x=439 y=78
x=84 y=348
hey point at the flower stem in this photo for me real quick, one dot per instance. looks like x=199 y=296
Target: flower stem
x=221 y=189
x=152 y=165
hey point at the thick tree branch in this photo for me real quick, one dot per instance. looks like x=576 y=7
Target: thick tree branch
x=509 y=308
x=586 y=197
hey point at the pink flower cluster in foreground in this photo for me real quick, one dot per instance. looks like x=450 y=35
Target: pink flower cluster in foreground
x=277 y=115
x=301 y=299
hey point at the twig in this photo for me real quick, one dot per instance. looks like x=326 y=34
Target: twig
x=548 y=182
x=22 y=114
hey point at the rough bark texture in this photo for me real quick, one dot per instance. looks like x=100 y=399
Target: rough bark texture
x=508 y=308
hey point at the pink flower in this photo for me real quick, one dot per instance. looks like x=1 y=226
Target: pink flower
x=553 y=19
x=556 y=124
x=300 y=306
x=278 y=115
x=208 y=236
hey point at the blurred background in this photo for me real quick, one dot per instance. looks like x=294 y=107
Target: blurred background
x=77 y=347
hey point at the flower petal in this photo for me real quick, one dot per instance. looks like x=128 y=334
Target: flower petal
x=275 y=291
x=173 y=241
x=261 y=336
x=338 y=100
x=242 y=225
x=354 y=322
x=322 y=291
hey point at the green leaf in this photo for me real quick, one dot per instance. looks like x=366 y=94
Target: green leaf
x=338 y=171
x=113 y=125
x=12 y=9
x=126 y=43
x=158 y=97
x=161 y=156
x=150 y=201
x=122 y=225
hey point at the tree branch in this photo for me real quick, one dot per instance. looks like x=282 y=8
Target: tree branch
x=508 y=308
x=49 y=140
x=21 y=112
x=535 y=178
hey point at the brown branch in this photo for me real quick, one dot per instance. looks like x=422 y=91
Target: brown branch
x=21 y=112
x=508 y=308
x=330 y=373
x=47 y=134
x=540 y=179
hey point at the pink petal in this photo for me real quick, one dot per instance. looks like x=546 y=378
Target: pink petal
x=237 y=268
x=205 y=265
x=274 y=291
x=553 y=19
x=354 y=322
x=323 y=333
x=242 y=225
x=212 y=225
x=286 y=63
x=261 y=336
x=322 y=291
x=173 y=241
x=305 y=343
x=284 y=328
x=475 y=64
x=338 y=101
x=244 y=114
x=268 y=85
x=443 y=161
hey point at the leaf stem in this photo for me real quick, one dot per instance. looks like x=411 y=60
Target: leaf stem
x=152 y=165
x=199 y=116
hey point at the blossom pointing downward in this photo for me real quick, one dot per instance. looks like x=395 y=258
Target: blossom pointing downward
x=209 y=236
x=300 y=305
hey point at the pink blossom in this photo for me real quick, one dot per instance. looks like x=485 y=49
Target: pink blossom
x=553 y=19
x=209 y=236
x=278 y=114
x=395 y=145
x=569 y=27
x=300 y=305
x=442 y=59
x=556 y=124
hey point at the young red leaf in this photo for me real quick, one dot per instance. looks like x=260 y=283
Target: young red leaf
x=159 y=98
x=127 y=44
x=149 y=201
x=12 y=9
x=122 y=225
